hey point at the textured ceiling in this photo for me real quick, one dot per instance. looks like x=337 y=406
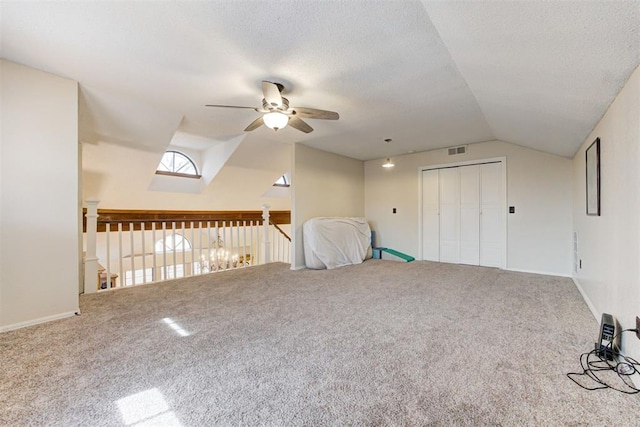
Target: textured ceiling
x=427 y=74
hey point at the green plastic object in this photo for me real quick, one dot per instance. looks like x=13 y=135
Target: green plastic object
x=405 y=257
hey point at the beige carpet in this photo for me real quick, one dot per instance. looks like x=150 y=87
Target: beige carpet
x=382 y=343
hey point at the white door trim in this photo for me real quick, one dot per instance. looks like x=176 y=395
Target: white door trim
x=502 y=160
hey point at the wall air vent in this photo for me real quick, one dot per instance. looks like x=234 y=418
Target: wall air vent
x=457 y=150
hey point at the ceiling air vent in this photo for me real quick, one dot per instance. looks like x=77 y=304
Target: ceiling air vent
x=457 y=150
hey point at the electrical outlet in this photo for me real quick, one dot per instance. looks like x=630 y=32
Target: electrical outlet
x=638 y=327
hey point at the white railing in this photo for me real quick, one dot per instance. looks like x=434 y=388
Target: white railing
x=281 y=244
x=138 y=251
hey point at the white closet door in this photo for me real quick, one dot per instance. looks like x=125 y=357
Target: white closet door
x=492 y=218
x=470 y=214
x=430 y=217
x=449 y=215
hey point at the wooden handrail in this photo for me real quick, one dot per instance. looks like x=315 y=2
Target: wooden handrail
x=136 y=217
x=280 y=230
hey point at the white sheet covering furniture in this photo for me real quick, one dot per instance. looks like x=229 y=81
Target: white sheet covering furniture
x=335 y=242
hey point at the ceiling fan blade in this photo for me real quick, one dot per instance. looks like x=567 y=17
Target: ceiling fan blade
x=271 y=93
x=312 y=113
x=231 y=106
x=298 y=123
x=255 y=124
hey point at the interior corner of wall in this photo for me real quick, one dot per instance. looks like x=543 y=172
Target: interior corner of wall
x=592 y=308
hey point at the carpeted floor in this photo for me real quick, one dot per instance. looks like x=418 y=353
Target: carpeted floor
x=382 y=343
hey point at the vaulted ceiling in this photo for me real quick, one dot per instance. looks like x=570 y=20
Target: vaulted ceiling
x=426 y=74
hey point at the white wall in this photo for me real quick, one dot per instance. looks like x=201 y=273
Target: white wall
x=538 y=185
x=322 y=184
x=609 y=245
x=39 y=205
x=1 y=180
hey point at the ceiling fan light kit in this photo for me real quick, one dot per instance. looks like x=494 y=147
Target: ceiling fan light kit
x=277 y=113
x=275 y=120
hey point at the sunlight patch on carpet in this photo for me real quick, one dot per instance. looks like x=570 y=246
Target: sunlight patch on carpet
x=147 y=408
x=173 y=325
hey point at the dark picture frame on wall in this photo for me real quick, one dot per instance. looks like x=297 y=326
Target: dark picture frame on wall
x=593 y=178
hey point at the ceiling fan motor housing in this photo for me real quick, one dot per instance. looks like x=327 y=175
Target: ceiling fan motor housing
x=267 y=106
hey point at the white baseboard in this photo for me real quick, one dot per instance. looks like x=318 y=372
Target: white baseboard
x=544 y=273
x=32 y=322
x=299 y=267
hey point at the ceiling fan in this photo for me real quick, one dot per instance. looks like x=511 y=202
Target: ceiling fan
x=277 y=113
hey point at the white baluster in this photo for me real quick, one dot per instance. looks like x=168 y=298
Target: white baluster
x=133 y=254
x=154 y=272
x=253 y=253
x=90 y=259
x=185 y=271
x=276 y=237
x=244 y=243
x=237 y=243
x=259 y=248
x=213 y=259
x=229 y=250
x=286 y=256
x=173 y=238
x=193 y=248
x=164 y=249
x=120 y=263
x=144 y=254
x=224 y=245
x=107 y=233
x=266 y=243
x=203 y=261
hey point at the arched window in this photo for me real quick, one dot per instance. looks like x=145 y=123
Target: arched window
x=177 y=164
x=175 y=241
x=281 y=182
